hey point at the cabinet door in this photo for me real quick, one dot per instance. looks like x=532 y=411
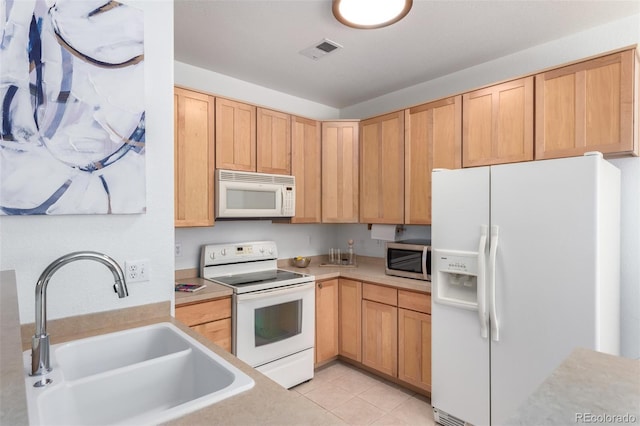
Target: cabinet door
x=235 y=135
x=498 y=124
x=306 y=152
x=273 y=142
x=340 y=187
x=194 y=158
x=326 y=320
x=203 y=312
x=380 y=337
x=414 y=348
x=433 y=139
x=219 y=332
x=382 y=169
x=586 y=107
x=350 y=319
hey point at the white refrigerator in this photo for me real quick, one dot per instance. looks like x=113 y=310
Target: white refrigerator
x=525 y=267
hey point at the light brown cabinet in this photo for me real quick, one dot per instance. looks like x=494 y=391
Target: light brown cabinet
x=433 y=139
x=306 y=162
x=235 y=135
x=380 y=328
x=382 y=169
x=194 y=158
x=326 y=346
x=340 y=187
x=212 y=319
x=414 y=339
x=273 y=142
x=587 y=106
x=350 y=319
x=497 y=124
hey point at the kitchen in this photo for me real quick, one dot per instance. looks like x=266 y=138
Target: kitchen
x=29 y=244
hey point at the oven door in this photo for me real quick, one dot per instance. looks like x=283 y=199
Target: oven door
x=271 y=324
x=410 y=261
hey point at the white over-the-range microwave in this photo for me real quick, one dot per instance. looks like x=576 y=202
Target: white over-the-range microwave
x=241 y=195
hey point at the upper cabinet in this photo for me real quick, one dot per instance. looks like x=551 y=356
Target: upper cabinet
x=498 y=124
x=252 y=139
x=340 y=172
x=235 y=135
x=193 y=158
x=273 y=142
x=587 y=106
x=382 y=169
x=433 y=139
x=306 y=152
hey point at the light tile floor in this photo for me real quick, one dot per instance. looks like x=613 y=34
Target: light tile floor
x=360 y=398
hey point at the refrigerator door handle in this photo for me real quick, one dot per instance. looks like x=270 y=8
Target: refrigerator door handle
x=493 y=316
x=481 y=288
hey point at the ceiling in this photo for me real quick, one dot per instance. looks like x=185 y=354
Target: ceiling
x=259 y=41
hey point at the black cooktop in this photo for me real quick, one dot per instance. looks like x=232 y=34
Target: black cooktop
x=253 y=278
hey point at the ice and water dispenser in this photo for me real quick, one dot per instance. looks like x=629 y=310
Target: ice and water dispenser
x=457 y=278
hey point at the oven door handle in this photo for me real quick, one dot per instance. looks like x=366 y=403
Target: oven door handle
x=279 y=290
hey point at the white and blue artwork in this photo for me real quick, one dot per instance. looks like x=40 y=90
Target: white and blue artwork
x=72 y=127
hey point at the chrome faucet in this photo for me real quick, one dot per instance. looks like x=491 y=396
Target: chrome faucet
x=40 y=363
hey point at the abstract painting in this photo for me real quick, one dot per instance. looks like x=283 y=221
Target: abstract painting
x=72 y=127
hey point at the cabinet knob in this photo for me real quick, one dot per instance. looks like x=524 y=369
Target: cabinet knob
x=320 y=286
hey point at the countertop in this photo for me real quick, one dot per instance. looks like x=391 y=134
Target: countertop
x=267 y=403
x=368 y=269
x=588 y=387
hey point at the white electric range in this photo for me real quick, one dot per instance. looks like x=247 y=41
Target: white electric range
x=273 y=311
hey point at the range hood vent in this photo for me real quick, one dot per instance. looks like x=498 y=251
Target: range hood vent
x=320 y=49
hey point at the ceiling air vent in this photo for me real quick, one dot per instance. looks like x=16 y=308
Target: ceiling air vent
x=320 y=49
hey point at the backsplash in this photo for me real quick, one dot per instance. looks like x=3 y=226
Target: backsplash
x=292 y=239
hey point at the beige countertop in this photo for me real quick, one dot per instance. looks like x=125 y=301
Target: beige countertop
x=267 y=403
x=588 y=387
x=369 y=269
x=211 y=291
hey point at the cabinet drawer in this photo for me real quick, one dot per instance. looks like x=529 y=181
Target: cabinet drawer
x=420 y=302
x=200 y=313
x=381 y=294
x=219 y=332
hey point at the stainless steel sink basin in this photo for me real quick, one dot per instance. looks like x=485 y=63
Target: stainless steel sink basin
x=144 y=375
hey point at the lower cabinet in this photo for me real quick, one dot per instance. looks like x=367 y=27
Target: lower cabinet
x=380 y=328
x=380 y=337
x=349 y=321
x=326 y=347
x=414 y=348
x=212 y=319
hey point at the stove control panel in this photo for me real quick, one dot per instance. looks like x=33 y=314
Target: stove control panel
x=220 y=254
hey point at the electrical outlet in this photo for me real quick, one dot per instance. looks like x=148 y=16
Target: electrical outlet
x=136 y=270
x=178 y=249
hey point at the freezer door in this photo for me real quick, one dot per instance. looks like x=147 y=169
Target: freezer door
x=460 y=356
x=546 y=267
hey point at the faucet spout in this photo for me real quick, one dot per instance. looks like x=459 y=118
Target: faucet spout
x=40 y=343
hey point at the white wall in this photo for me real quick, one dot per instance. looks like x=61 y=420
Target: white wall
x=29 y=244
x=222 y=85
x=630 y=257
x=292 y=239
x=615 y=35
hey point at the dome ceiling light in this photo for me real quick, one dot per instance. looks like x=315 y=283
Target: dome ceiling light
x=368 y=14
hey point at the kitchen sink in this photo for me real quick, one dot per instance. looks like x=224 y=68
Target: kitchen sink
x=144 y=375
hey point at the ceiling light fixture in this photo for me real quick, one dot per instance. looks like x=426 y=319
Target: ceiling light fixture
x=368 y=14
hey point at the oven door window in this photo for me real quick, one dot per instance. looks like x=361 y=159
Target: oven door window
x=252 y=200
x=405 y=260
x=277 y=322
